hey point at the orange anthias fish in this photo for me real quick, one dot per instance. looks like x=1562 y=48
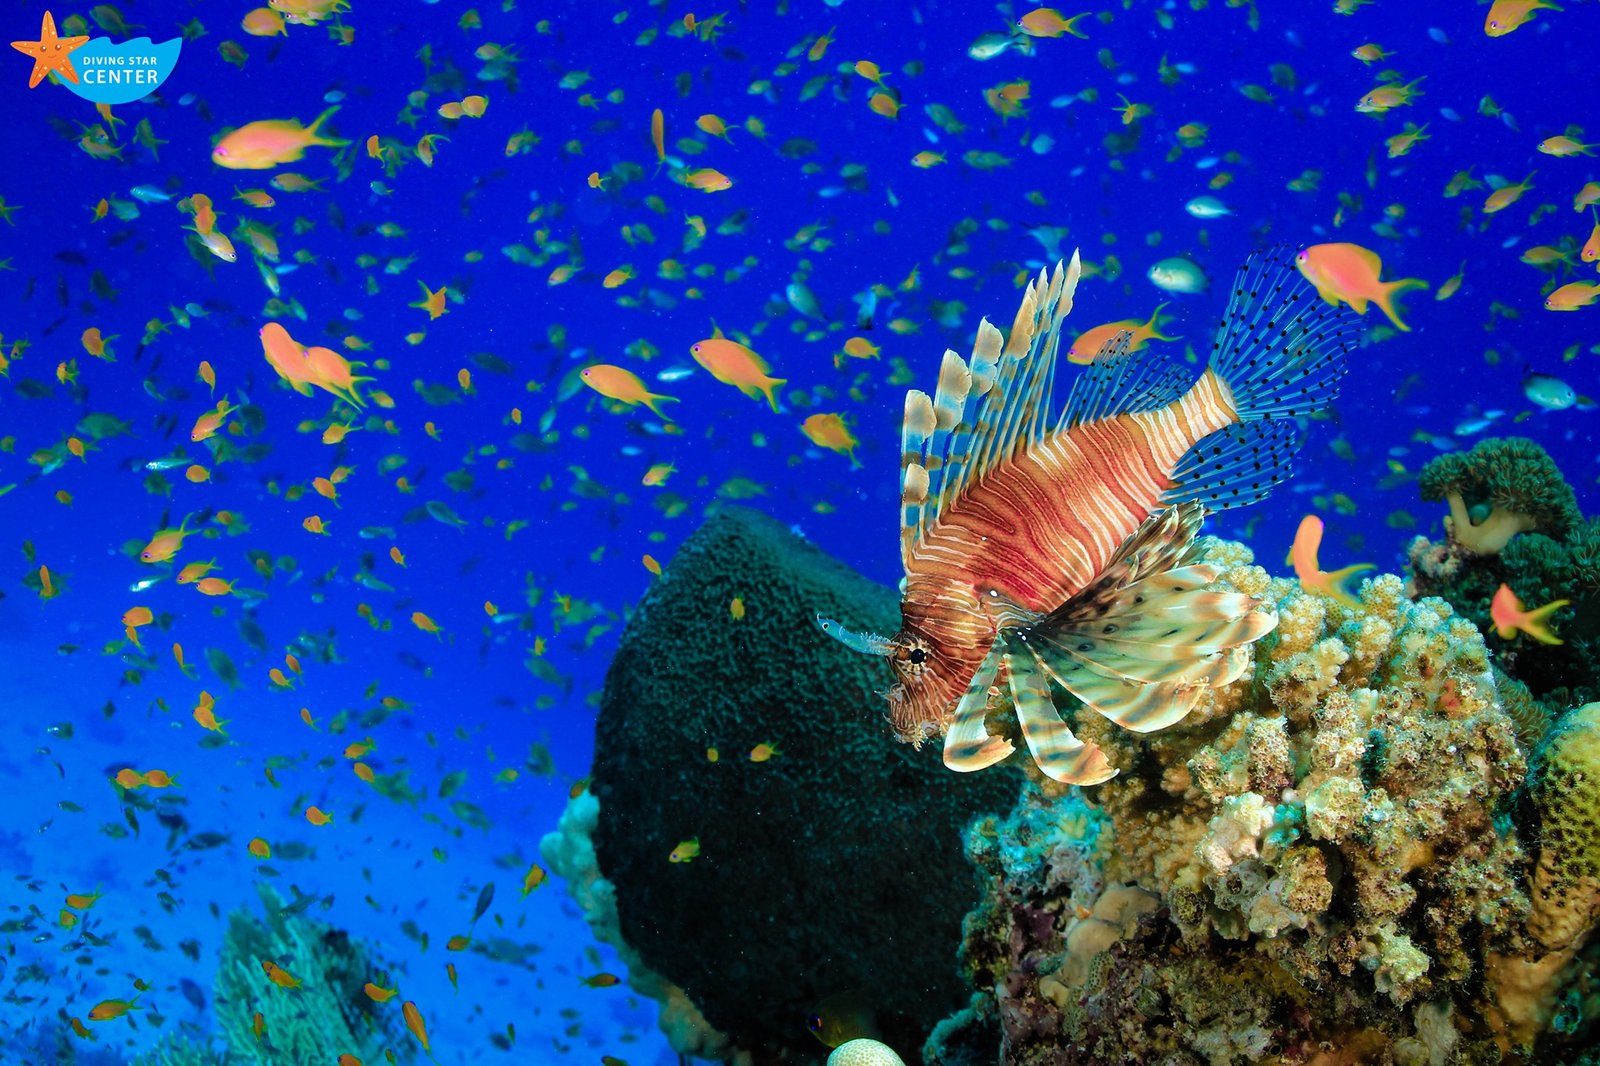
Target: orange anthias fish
x=1507 y=15
x=1348 y=273
x=107 y=1009
x=271 y=142
x=1571 y=296
x=1044 y=550
x=1048 y=22
x=624 y=386
x=304 y=367
x=733 y=364
x=165 y=543
x=414 y=1022
x=1086 y=344
x=1388 y=97
x=1509 y=617
x=278 y=975
x=1506 y=195
x=1303 y=554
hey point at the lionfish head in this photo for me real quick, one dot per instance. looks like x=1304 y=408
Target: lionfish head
x=918 y=700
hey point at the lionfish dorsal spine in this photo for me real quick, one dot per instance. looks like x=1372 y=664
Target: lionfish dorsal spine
x=1007 y=385
x=949 y=401
x=915 y=429
x=982 y=369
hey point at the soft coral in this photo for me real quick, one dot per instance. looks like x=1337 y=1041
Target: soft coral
x=1502 y=487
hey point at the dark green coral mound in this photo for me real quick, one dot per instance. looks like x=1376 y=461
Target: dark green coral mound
x=1526 y=532
x=834 y=866
x=1502 y=487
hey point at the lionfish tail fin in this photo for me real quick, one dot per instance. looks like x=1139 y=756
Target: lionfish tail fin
x=967 y=743
x=1280 y=349
x=1059 y=754
x=1234 y=466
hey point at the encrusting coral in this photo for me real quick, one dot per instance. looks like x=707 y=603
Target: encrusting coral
x=1313 y=867
x=1565 y=884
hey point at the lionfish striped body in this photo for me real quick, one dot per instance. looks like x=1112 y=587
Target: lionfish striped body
x=1064 y=554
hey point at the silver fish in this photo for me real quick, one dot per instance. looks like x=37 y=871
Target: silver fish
x=1207 y=207
x=1178 y=274
x=1548 y=392
x=990 y=45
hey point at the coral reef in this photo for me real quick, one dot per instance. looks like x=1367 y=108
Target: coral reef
x=1561 y=560
x=1320 y=864
x=834 y=864
x=326 y=1016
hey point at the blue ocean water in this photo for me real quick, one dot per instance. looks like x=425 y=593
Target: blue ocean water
x=544 y=514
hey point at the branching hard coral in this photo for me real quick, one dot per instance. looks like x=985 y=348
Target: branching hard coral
x=1502 y=487
x=326 y=1016
x=1319 y=858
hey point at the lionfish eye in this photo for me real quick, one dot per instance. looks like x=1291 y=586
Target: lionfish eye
x=918 y=656
x=814 y=1023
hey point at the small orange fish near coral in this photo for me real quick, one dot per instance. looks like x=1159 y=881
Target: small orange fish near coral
x=1307 y=540
x=278 y=975
x=1510 y=618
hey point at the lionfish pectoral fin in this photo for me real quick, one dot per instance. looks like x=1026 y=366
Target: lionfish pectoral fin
x=1059 y=754
x=1143 y=642
x=865 y=643
x=967 y=743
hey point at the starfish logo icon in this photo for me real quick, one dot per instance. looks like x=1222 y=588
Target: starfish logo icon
x=50 y=53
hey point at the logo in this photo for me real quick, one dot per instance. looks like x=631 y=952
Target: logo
x=100 y=70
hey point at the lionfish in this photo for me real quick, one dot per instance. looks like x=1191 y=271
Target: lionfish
x=1039 y=552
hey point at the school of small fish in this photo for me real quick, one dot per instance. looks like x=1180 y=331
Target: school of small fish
x=603 y=270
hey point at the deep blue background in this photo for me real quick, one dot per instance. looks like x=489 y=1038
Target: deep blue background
x=472 y=705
